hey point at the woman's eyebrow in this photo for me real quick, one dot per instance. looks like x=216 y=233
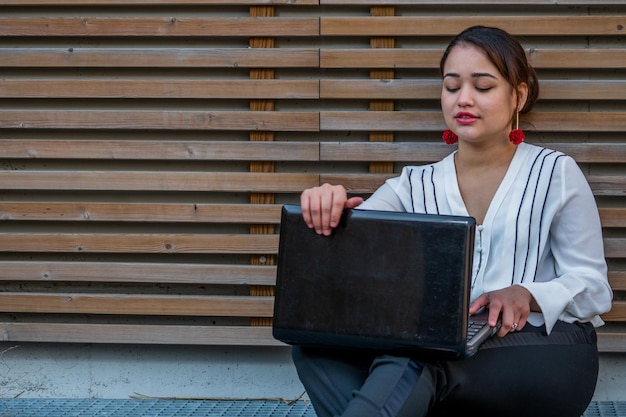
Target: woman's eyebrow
x=474 y=75
x=483 y=74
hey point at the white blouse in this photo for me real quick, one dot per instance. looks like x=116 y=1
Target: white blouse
x=542 y=231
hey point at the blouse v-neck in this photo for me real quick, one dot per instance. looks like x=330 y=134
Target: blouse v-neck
x=457 y=204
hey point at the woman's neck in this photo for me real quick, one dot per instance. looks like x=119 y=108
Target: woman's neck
x=479 y=173
x=483 y=156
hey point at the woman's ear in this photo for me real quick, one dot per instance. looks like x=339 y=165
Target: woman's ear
x=522 y=96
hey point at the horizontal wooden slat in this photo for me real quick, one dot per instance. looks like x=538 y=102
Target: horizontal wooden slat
x=573 y=25
x=158 y=26
x=582 y=89
x=617 y=280
x=141 y=334
x=162 y=305
x=592 y=152
x=159 y=88
x=613 y=217
x=356 y=183
x=470 y=3
x=429 y=58
x=381 y=120
x=154 y=2
x=383 y=151
x=287 y=121
x=611 y=342
x=160 y=149
x=177 y=213
x=412 y=89
x=165 y=119
x=179 y=273
x=615 y=248
x=617 y=313
x=381 y=89
x=138 y=272
x=433 y=121
x=174 y=243
x=430 y=152
x=157 y=181
x=176 y=334
x=614 y=185
x=464 y=3
x=138 y=243
x=283 y=58
x=368 y=183
x=578 y=58
x=380 y=58
x=103 y=57
x=140 y=212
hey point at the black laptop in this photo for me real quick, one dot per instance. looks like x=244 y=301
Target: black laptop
x=385 y=281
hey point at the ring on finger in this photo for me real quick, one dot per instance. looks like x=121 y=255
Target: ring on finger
x=514 y=326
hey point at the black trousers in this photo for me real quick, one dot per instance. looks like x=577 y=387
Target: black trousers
x=526 y=373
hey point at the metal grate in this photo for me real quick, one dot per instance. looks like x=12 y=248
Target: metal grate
x=25 y=407
x=606 y=409
x=29 y=407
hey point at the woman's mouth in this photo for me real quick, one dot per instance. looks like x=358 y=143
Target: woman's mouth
x=465 y=118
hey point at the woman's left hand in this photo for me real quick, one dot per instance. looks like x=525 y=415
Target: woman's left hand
x=513 y=303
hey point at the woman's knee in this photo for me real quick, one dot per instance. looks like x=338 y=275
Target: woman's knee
x=521 y=381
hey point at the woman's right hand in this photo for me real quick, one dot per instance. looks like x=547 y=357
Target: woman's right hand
x=322 y=206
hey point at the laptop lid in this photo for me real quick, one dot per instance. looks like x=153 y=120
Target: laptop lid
x=382 y=280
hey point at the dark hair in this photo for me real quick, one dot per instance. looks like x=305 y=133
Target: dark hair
x=506 y=53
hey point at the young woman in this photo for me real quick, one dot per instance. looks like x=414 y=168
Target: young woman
x=538 y=261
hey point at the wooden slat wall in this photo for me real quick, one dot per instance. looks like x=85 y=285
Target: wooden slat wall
x=145 y=151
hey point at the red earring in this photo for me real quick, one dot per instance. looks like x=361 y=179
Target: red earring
x=516 y=136
x=449 y=137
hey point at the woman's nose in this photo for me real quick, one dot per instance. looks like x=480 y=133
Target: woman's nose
x=465 y=97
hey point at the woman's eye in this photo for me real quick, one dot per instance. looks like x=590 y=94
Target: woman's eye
x=483 y=89
x=452 y=89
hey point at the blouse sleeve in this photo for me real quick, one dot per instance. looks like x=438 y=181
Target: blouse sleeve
x=578 y=289
x=386 y=198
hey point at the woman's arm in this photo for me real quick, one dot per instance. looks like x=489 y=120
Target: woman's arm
x=580 y=290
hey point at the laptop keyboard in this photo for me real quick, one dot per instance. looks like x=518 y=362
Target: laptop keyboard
x=473 y=327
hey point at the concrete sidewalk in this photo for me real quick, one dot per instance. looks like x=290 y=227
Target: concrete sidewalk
x=26 y=407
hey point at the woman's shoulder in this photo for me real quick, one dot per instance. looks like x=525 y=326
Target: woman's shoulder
x=534 y=153
x=535 y=150
x=554 y=164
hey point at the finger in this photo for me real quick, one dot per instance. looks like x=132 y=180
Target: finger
x=509 y=322
x=521 y=322
x=496 y=308
x=325 y=208
x=353 y=202
x=331 y=202
x=315 y=210
x=495 y=313
x=477 y=304
x=325 y=217
x=337 y=206
x=305 y=204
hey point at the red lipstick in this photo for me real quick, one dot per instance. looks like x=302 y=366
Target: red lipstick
x=465 y=117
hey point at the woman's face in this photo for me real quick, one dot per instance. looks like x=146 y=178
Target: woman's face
x=477 y=102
